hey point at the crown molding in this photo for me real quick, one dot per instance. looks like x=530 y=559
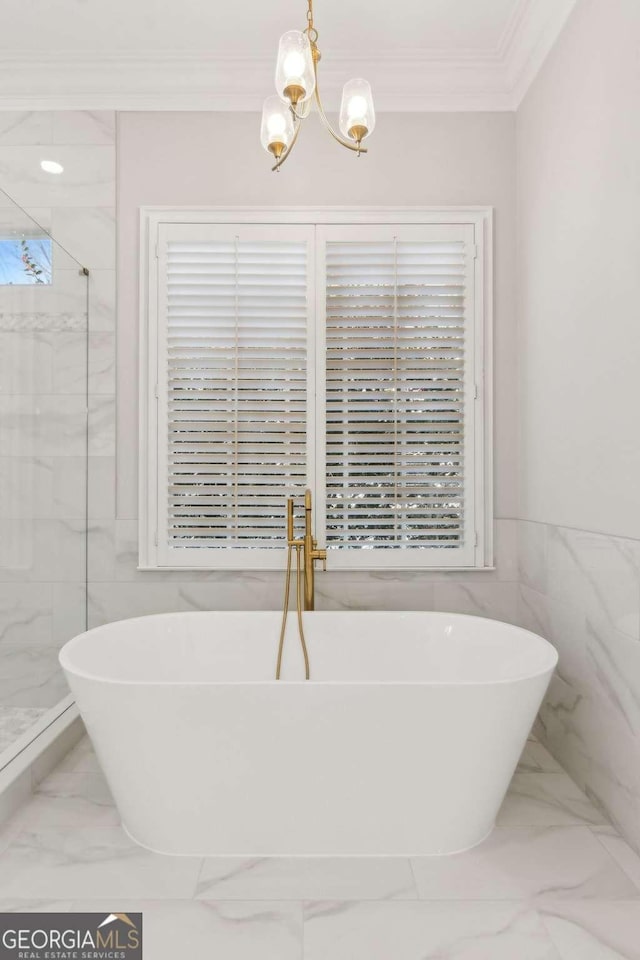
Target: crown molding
x=411 y=80
x=528 y=39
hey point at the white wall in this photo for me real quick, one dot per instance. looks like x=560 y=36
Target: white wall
x=195 y=159
x=578 y=185
x=578 y=159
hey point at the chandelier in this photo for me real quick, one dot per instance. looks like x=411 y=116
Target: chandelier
x=297 y=86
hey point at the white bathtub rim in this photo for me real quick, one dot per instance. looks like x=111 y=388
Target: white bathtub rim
x=306 y=856
x=65 y=653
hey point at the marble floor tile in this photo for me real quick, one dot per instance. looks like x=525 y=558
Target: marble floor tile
x=214 y=931
x=425 y=931
x=81 y=759
x=620 y=851
x=64 y=862
x=24 y=905
x=594 y=931
x=302 y=878
x=9 y=830
x=538 y=753
x=546 y=799
x=528 y=762
x=537 y=759
x=14 y=721
x=72 y=799
x=526 y=863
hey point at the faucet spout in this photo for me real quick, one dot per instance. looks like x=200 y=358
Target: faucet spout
x=312 y=553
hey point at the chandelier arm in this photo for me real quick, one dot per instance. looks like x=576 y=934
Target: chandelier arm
x=345 y=143
x=289 y=148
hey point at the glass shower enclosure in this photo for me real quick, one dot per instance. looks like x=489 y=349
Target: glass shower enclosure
x=43 y=472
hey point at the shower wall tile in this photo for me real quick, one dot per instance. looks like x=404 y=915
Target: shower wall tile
x=102 y=362
x=26 y=487
x=102 y=425
x=46 y=309
x=26 y=613
x=88 y=234
x=25 y=363
x=40 y=363
x=69 y=488
x=102 y=486
x=30 y=675
x=24 y=127
x=588 y=606
x=102 y=300
x=83 y=126
x=43 y=378
x=42 y=550
x=88 y=178
x=69 y=604
x=100 y=550
x=47 y=426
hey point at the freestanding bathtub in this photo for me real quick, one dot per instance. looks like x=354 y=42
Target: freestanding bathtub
x=403 y=742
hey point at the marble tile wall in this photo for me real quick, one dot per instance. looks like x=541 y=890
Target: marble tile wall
x=44 y=355
x=581 y=590
x=117 y=589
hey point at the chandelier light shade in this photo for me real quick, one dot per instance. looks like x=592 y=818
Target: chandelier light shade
x=297 y=86
x=295 y=76
x=357 y=116
x=277 y=131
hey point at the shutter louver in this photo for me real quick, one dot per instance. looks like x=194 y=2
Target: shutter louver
x=236 y=349
x=397 y=344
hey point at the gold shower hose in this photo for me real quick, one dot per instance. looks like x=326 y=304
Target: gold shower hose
x=285 y=610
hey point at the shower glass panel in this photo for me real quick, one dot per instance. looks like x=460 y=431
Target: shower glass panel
x=43 y=471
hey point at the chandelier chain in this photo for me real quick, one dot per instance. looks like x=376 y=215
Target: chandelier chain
x=310 y=30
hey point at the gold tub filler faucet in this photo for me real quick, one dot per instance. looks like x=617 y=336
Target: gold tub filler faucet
x=307 y=553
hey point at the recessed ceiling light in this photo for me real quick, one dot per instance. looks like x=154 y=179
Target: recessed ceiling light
x=51 y=166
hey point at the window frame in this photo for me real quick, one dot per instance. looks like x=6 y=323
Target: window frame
x=151 y=220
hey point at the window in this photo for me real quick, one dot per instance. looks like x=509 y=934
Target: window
x=343 y=351
x=25 y=260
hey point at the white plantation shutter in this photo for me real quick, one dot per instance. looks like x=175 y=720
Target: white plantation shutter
x=342 y=356
x=400 y=393
x=233 y=379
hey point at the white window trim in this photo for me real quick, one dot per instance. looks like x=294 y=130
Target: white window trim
x=481 y=218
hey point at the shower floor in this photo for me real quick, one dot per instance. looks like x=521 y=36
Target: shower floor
x=553 y=882
x=14 y=721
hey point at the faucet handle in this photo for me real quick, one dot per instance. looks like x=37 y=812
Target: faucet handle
x=290 y=519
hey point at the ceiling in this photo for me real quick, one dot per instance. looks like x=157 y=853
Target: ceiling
x=206 y=54
x=249 y=27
